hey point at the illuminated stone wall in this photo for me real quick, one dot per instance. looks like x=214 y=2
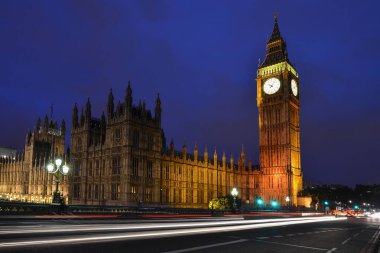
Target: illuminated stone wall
x=122 y=159
x=25 y=178
x=190 y=180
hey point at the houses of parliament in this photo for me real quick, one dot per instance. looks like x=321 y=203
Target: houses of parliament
x=122 y=157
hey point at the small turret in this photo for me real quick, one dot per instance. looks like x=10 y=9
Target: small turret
x=103 y=121
x=224 y=160
x=88 y=111
x=215 y=158
x=28 y=137
x=103 y=125
x=75 y=117
x=172 y=148
x=46 y=123
x=205 y=155
x=242 y=156
x=128 y=96
x=157 y=110
x=196 y=153
x=38 y=126
x=184 y=151
x=232 y=162
x=110 y=105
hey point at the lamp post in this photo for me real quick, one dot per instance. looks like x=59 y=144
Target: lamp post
x=234 y=193
x=58 y=170
x=287 y=199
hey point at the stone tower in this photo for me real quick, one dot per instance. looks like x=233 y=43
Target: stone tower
x=279 y=133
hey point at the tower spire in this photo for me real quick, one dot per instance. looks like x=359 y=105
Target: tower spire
x=110 y=105
x=276 y=47
x=275 y=15
x=51 y=111
x=276 y=35
x=128 y=96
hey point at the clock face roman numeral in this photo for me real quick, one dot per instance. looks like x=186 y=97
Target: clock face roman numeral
x=294 y=87
x=272 y=85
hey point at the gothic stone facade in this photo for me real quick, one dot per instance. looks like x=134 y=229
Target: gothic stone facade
x=122 y=158
x=24 y=177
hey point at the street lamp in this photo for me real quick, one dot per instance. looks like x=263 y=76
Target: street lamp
x=58 y=170
x=234 y=193
x=287 y=199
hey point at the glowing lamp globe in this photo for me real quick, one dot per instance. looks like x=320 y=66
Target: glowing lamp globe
x=234 y=192
x=50 y=167
x=58 y=162
x=65 y=169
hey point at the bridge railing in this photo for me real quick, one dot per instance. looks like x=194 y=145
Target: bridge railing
x=22 y=208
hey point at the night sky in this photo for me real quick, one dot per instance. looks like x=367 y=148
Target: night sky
x=201 y=56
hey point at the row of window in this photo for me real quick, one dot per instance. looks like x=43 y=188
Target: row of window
x=115 y=167
x=97 y=192
x=117 y=138
x=178 y=175
x=135 y=167
x=271 y=182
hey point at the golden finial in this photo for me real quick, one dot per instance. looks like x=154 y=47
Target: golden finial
x=275 y=15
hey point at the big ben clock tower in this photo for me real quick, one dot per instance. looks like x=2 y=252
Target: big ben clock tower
x=279 y=133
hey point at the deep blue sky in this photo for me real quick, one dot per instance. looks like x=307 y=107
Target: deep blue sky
x=201 y=56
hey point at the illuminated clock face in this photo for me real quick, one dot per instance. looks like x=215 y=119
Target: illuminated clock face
x=293 y=83
x=272 y=85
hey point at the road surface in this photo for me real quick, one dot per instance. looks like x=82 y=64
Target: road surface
x=230 y=234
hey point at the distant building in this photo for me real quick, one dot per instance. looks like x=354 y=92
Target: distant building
x=7 y=153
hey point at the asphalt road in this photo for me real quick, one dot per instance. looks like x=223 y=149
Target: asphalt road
x=282 y=234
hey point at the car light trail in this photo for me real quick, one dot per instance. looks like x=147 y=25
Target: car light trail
x=164 y=233
x=113 y=227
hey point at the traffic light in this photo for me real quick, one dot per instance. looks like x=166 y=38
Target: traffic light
x=274 y=203
x=326 y=203
x=356 y=207
x=259 y=201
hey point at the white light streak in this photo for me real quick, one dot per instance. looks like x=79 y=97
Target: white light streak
x=161 y=233
x=375 y=215
x=113 y=227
